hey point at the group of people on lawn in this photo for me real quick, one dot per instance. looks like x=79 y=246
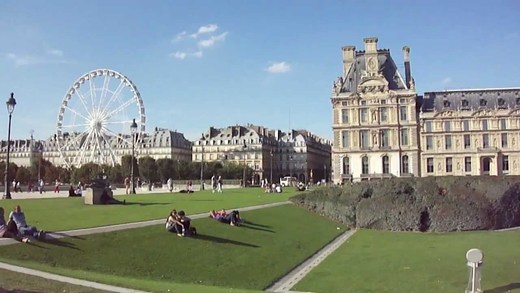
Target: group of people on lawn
x=178 y=222
x=17 y=228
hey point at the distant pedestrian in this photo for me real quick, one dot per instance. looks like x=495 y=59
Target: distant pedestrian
x=57 y=186
x=127 y=185
x=169 y=183
x=41 y=186
x=219 y=184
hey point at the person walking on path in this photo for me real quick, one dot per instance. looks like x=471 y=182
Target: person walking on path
x=127 y=185
x=57 y=186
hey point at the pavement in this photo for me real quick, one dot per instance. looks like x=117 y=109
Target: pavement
x=284 y=284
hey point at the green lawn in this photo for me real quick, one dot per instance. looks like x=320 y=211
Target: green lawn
x=271 y=243
x=11 y=281
x=59 y=214
x=377 y=261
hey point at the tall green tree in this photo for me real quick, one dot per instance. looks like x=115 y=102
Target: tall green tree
x=148 y=169
x=86 y=173
x=23 y=175
x=166 y=169
x=126 y=166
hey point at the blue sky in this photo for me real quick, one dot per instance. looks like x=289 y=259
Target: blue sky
x=218 y=63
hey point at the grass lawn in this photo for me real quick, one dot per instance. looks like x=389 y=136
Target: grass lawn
x=252 y=256
x=380 y=261
x=11 y=281
x=59 y=214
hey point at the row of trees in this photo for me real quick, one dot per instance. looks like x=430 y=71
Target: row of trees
x=146 y=168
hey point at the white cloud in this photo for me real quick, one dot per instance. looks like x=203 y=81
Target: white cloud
x=280 y=67
x=180 y=36
x=213 y=40
x=55 y=52
x=183 y=55
x=205 y=29
x=446 y=80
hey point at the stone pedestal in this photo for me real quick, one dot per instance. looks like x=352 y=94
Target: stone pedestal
x=93 y=195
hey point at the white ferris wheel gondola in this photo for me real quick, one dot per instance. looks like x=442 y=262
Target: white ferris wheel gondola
x=95 y=116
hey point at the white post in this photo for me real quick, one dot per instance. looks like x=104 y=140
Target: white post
x=474 y=257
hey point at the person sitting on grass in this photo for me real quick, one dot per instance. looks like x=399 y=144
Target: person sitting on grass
x=18 y=217
x=232 y=218
x=183 y=226
x=9 y=230
x=171 y=220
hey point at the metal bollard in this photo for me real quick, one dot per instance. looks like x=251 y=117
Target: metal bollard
x=474 y=257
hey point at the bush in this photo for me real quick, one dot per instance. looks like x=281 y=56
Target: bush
x=421 y=204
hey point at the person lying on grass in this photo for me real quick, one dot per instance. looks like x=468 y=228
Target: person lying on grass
x=171 y=220
x=183 y=225
x=18 y=217
x=9 y=231
x=232 y=218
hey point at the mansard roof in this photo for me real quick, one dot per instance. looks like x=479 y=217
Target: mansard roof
x=471 y=99
x=386 y=66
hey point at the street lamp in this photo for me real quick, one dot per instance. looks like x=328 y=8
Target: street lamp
x=133 y=130
x=202 y=139
x=290 y=165
x=271 y=169
x=245 y=165
x=10 y=108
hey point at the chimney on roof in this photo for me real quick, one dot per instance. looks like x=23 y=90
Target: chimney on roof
x=349 y=54
x=370 y=44
x=407 y=71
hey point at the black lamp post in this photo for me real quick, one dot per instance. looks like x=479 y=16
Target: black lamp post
x=10 y=108
x=271 y=169
x=133 y=130
x=290 y=165
x=245 y=165
x=202 y=140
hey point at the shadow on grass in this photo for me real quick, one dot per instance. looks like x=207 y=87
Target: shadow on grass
x=16 y=291
x=50 y=235
x=504 y=289
x=223 y=240
x=57 y=242
x=255 y=224
x=249 y=226
x=146 y=203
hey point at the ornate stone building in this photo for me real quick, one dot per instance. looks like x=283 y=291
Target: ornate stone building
x=268 y=152
x=374 y=117
x=161 y=143
x=470 y=132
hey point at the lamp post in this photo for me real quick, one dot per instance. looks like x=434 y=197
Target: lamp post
x=271 y=168
x=10 y=108
x=244 y=147
x=133 y=130
x=202 y=140
x=290 y=165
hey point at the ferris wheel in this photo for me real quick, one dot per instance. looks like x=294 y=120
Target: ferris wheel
x=95 y=116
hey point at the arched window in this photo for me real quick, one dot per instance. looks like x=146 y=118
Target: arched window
x=386 y=165
x=364 y=165
x=483 y=102
x=404 y=165
x=346 y=165
x=465 y=103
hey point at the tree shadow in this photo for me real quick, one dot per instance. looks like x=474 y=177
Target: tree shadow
x=223 y=240
x=58 y=242
x=504 y=289
x=51 y=234
x=248 y=226
x=145 y=203
x=16 y=291
x=255 y=224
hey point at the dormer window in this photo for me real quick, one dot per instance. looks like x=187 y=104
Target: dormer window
x=465 y=103
x=446 y=103
x=518 y=101
x=483 y=102
x=501 y=103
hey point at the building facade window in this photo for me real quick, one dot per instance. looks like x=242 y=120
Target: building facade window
x=465 y=125
x=467 y=141
x=449 y=165
x=428 y=126
x=467 y=164
x=404 y=136
x=484 y=125
x=503 y=124
x=386 y=165
x=429 y=142
x=344 y=116
x=385 y=138
x=505 y=164
x=447 y=142
x=485 y=140
x=383 y=114
x=404 y=168
x=363 y=115
x=363 y=139
x=345 y=138
x=447 y=126
x=364 y=165
x=429 y=165
x=503 y=137
x=403 y=113
x=346 y=165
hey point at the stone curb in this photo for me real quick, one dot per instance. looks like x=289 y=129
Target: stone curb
x=297 y=274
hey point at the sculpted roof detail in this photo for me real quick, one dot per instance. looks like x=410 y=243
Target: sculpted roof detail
x=471 y=100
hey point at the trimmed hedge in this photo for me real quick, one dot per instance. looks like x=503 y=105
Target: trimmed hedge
x=421 y=204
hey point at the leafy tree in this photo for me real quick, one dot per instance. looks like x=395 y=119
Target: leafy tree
x=126 y=166
x=23 y=174
x=85 y=173
x=166 y=169
x=114 y=173
x=148 y=169
x=13 y=168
